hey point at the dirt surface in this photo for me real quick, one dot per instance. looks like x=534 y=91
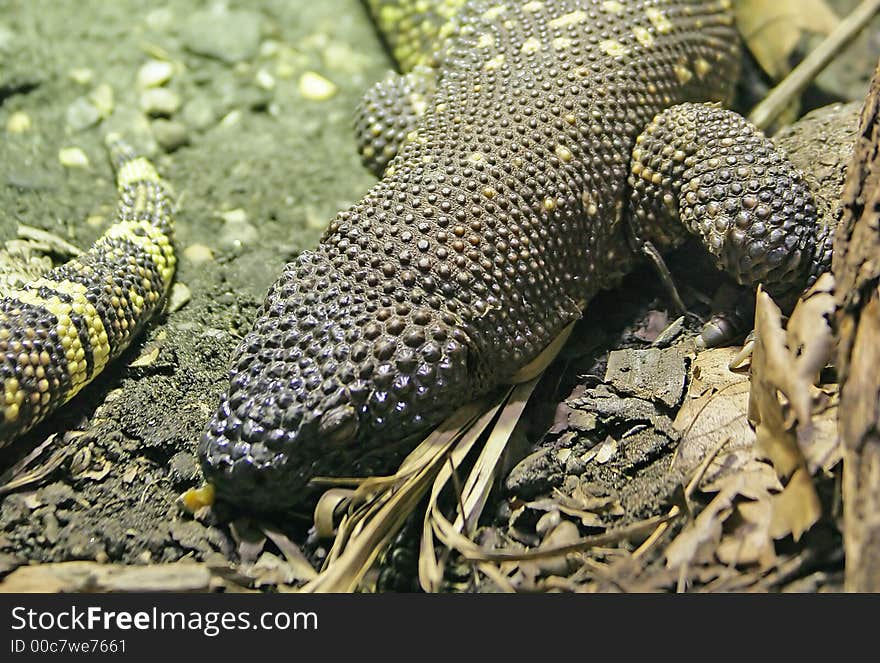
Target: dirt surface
x=261 y=170
x=259 y=166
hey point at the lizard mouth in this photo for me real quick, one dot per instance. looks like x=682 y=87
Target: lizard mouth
x=257 y=468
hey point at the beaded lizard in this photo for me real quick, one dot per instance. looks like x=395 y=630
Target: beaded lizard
x=518 y=179
x=505 y=155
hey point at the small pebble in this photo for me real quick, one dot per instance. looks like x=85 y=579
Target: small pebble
x=265 y=80
x=315 y=87
x=230 y=36
x=73 y=157
x=231 y=118
x=236 y=215
x=341 y=57
x=18 y=123
x=285 y=70
x=238 y=233
x=565 y=533
x=102 y=99
x=170 y=134
x=198 y=254
x=179 y=296
x=160 y=19
x=154 y=73
x=135 y=126
x=198 y=113
x=81 y=75
x=82 y=114
x=269 y=48
x=160 y=101
x=548 y=521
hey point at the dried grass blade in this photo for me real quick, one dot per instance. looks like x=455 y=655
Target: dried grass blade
x=430 y=570
x=471 y=551
x=326 y=508
x=373 y=525
x=482 y=477
x=292 y=553
x=20 y=476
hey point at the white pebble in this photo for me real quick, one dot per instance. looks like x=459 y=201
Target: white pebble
x=265 y=80
x=102 y=99
x=198 y=253
x=18 y=123
x=236 y=215
x=81 y=75
x=73 y=157
x=160 y=101
x=154 y=73
x=315 y=87
x=179 y=297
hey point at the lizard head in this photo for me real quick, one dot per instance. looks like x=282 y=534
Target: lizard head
x=336 y=378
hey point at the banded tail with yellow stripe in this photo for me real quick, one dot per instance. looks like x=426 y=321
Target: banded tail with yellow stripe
x=58 y=332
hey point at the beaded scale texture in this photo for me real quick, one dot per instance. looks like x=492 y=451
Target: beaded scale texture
x=58 y=332
x=521 y=172
x=503 y=207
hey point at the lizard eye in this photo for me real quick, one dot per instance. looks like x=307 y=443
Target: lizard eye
x=339 y=425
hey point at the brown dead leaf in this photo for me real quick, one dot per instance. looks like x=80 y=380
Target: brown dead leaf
x=292 y=553
x=271 y=570
x=783 y=400
x=750 y=542
x=698 y=541
x=772 y=30
x=581 y=498
x=809 y=332
x=796 y=508
x=700 y=538
x=714 y=410
x=752 y=478
x=824 y=449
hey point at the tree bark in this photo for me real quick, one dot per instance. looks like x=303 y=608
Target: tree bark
x=856 y=267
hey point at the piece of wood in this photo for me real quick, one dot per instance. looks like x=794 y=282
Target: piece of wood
x=856 y=268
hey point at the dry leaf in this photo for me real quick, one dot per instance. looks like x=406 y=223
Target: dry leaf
x=271 y=570
x=701 y=536
x=784 y=368
x=714 y=410
x=750 y=542
x=796 y=508
x=772 y=30
x=147 y=357
x=298 y=563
